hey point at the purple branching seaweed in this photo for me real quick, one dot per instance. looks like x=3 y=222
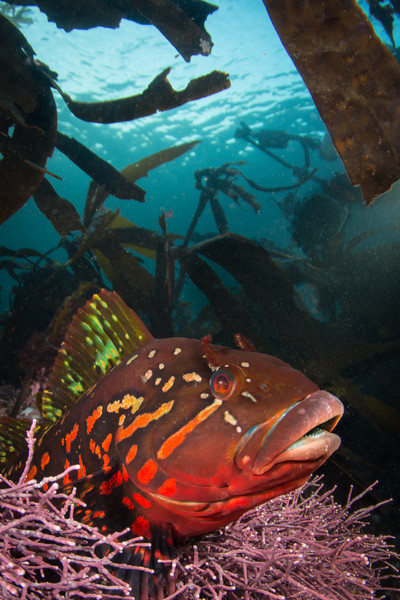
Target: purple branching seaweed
x=45 y=552
x=302 y=546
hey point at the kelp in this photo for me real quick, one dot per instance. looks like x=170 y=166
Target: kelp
x=211 y=181
x=158 y=96
x=180 y=21
x=141 y=168
x=354 y=81
x=28 y=120
x=230 y=311
x=27 y=106
x=265 y=139
x=101 y=171
x=284 y=321
x=62 y=214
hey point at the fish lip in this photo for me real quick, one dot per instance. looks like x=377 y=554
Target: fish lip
x=290 y=439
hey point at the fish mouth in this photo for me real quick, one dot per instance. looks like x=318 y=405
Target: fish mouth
x=303 y=434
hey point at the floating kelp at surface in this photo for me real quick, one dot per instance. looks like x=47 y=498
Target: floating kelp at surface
x=180 y=21
x=158 y=96
x=354 y=81
x=28 y=123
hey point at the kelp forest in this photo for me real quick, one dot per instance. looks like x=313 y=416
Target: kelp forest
x=326 y=300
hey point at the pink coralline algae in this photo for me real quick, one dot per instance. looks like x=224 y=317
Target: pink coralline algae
x=45 y=553
x=301 y=546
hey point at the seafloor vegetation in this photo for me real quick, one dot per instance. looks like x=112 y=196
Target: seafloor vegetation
x=327 y=302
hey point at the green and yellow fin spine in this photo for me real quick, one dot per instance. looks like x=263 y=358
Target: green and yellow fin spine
x=12 y=438
x=102 y=333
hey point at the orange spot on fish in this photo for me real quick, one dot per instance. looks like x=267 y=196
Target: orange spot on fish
x=66 y=478
x=167 y=386
x=82 y=468
x=94 y=448
x=106 y=461
x=45 y=487
x=168 y=488
x=141 y=526
x=87 y=491
x=179 y=436
x=70 y=437
x=106 y=444
x=125 y=474
x=147 y=472
x=45 y=460
x=110 y=484
x=128 y=503
x=143 y=420
x=99 y=514
x=91 y=420
x=142 y=501
x=31 y=473
x=131 y=454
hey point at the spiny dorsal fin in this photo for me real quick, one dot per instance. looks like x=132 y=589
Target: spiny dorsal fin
x=102 y=333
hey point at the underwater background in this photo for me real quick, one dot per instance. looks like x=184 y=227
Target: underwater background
x=331 y=308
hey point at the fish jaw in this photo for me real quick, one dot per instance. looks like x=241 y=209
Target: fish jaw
x=302 y=435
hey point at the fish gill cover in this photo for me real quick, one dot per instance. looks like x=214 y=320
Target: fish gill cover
x=255 y=230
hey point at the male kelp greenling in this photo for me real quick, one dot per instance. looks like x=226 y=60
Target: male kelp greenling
x=173 y=437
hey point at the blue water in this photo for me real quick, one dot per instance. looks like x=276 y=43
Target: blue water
x=266 y=92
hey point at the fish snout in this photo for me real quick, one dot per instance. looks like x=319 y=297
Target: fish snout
x=301 y=435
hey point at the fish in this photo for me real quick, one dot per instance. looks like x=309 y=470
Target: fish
x=174 y=437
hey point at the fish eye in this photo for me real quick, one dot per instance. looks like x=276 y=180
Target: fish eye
x=223 y=384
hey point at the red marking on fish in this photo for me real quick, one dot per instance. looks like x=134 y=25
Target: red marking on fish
x=178 y=437
x=106 y=444
x=109 y=485
x=91 y=420
x=143 y=420
x=141 y=500
x=131 y=454
x=147 y=472
x=141 y=526
x=66 y=478
x=168 y=488
x=70 y=437
x=45 y=460
x=82 y=468
x=128 y=503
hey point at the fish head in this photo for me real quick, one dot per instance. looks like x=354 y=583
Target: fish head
x=240 y=427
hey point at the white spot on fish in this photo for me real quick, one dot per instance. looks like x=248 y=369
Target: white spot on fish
x=229 y=418
x=177 y=351
x=204 y=395
x=151 y=354
x=248 y=380
x=147 y=376
x=161 y=366
x=245 y=364
x=248 y=395
x=239 y=429
x=191 y=377
x=158 y=381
